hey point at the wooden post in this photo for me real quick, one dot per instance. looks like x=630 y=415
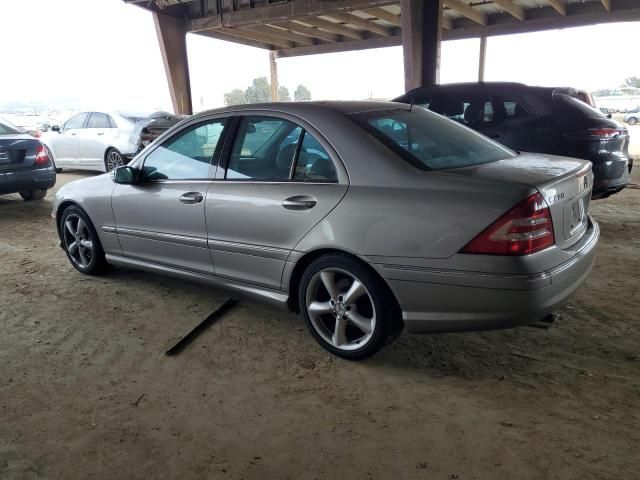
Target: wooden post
x=482 y=58
x=172 y=38
x=421 y=36
x=273 y=67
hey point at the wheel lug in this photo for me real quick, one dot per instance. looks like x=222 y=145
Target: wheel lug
x=332 y=302
x=340 y=298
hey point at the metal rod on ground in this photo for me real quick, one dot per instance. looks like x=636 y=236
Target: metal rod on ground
x=210 y=320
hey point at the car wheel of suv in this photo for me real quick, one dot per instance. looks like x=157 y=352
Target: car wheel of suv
x=80 y=241
x=112 y=159
x=31 y=195
x=347 y=308
x=632 y=121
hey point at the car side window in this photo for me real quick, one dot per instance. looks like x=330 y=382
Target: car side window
x=264 y=149
x=185 y=156
x=98 y=120
x=314 y=163
x=513 y=108
x=77 y=121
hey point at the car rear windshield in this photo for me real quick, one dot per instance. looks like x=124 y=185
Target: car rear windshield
x=8 y=129
x=429 y=141
x=576 y=106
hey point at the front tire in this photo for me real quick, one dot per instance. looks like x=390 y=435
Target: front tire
x=348 y=309
x=32 y=195
x=112 y=159
x=80 y=241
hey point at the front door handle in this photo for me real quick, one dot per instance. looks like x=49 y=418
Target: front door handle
x=100 y=133
x=191 y=198
x=299 y=202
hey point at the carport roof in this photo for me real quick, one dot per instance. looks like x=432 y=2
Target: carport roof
x=303 y=27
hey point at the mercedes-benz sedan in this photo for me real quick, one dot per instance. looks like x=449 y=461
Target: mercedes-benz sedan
x=367 y=217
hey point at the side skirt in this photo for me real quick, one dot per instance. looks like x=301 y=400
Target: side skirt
x=273 y=297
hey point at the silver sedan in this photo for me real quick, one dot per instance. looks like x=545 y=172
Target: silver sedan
x=367 y=217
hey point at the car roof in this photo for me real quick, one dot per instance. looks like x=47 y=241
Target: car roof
x=302 y=108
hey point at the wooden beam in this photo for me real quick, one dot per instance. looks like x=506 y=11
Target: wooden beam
x=421 y=34
x=559 y=6
x=607 y=5
x=482 y=58
x=273 y=69
x=378 y=42
x=511 y=8
x=172 y=37
x=447 y=23
x=258 y=37
x=467 y=11
x=385 y=15
x=294 y=9
x=312 y=32
x=285 y=34
x=333 y=27
x=363 y=23
x=218 y=35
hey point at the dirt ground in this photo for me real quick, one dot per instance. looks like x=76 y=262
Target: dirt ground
x=86 y=392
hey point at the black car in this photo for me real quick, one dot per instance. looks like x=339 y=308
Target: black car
x=547 y=120
x=25 y=166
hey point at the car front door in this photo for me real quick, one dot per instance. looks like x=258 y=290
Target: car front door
x=277 y=182
x=65 y=143
x=93 y=140
x=160 y=219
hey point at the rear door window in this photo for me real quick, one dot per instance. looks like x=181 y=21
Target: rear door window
x=98 y=120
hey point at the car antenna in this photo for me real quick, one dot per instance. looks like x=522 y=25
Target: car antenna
x=411 y=104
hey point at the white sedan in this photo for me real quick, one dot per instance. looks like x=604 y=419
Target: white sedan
x=92 y=141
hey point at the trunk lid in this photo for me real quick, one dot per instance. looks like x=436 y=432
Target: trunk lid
x=17 y=152
x=565 y=184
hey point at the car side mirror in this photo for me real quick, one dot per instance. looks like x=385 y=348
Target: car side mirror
x=124 y=175
x=56 y=128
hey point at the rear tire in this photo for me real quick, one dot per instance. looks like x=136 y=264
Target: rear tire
x=32 y=195
x=632 y=121
x=348 y=309
x=112 y=159
x=80 y=241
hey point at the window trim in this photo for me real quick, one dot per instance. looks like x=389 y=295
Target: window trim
x=226 y=154
x=215 y=157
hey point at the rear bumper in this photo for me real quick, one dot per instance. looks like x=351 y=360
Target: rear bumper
x=611 y=174
x=21 y=181
x=447 y=301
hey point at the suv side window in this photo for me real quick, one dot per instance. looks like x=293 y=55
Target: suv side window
x=77 y=121
x=98 y=120
x=264 y=149
x=186 y=155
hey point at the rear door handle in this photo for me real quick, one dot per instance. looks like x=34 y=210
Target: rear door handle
x=191 y=198
x=299 y=202
x=100 y=133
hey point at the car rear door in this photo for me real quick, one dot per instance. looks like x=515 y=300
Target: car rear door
x=65 y=143
x=160 y=219
x=93 y=140
x=279 y=178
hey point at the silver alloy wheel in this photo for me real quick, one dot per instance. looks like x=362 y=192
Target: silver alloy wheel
x=78 y=241
x=114 y=159
x=340 y=308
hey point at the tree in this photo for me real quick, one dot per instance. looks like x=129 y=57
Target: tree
x=259 y=91
x=633 y=82
x=302 y=93
x=235 y=97
x=283 y=94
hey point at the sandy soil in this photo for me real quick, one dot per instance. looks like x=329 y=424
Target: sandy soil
x=85 y=391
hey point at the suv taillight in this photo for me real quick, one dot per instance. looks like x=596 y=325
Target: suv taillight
x=526 y=228
x=42 y=157
x=605 y=132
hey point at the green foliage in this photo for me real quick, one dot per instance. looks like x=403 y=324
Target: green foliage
x=302 y=93
x=283 y=94
x=235 y=97
x=633 y=82
x=260 y=92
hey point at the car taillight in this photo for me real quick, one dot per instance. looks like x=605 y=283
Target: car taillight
x=42 y=157
x=604 y=132
x=526 y=228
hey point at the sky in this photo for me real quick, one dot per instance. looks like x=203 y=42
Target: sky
x=103 y=54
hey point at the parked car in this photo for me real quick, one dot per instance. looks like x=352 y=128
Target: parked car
x=96 y=141
x=367 y=217
x=553 y=121
x=632 y=116
x=25 y=166
x=150 y=127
